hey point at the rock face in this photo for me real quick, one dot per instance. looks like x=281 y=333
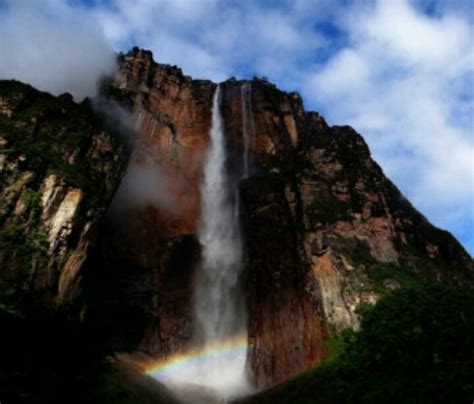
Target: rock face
x=59 y=167
x=150 y=247
x=324 y=228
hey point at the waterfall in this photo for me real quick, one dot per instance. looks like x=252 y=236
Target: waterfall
x=219 y=235
x=218 y=358
x=247 y=123
x=219 y=302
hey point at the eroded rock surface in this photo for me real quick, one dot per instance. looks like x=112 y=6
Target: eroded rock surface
x=59 y=168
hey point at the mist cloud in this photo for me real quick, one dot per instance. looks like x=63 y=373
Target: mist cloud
x=145 y=185
x=54 y=47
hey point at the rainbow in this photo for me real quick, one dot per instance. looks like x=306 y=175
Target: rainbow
x=222 y=350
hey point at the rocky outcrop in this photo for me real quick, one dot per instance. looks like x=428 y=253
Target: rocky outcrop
x=149 y=245
x=171 y=113
x=325 y=229
x=59 y=167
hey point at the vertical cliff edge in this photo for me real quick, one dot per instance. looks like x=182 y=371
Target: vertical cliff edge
x=60 y=165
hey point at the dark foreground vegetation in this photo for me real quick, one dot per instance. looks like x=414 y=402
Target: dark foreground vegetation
x=416 y=345
x=45 y=357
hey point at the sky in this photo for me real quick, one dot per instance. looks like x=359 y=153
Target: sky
x=401 y=72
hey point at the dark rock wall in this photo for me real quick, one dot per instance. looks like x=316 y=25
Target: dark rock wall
x=59 y=168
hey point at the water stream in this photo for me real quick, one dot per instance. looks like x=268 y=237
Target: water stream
x=218 y=361
x=219 y=302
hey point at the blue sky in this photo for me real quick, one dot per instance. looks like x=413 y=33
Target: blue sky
x=399 y=71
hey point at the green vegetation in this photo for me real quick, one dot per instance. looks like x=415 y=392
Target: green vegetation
x=53 y=134
x=110 y=387
x=382 y=276
x=23 y=241
x=327 y=211
x=8 y=303
x=303 y=164
x=42 y=135
x=39 y=150
x=127 y=387
x=416 y=345
x=49 y=358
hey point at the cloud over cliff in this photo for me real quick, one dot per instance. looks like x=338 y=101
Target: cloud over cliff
x=53 y=46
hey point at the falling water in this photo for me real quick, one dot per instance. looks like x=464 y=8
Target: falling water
x=247 y=122
x=220 y=308
x=219 y=358
x=219 y=236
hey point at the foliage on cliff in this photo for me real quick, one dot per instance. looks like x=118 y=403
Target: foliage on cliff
x=59 y=166
x=415 y=345
x=53 y=134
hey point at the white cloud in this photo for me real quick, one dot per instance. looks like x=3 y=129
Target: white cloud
x=405 y=81
x=413 y=38
x=53 y=47
x=214 y=39
x=345 y=72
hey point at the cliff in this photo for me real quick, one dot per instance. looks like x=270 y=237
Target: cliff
x=59 y=168
x=325 y=229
